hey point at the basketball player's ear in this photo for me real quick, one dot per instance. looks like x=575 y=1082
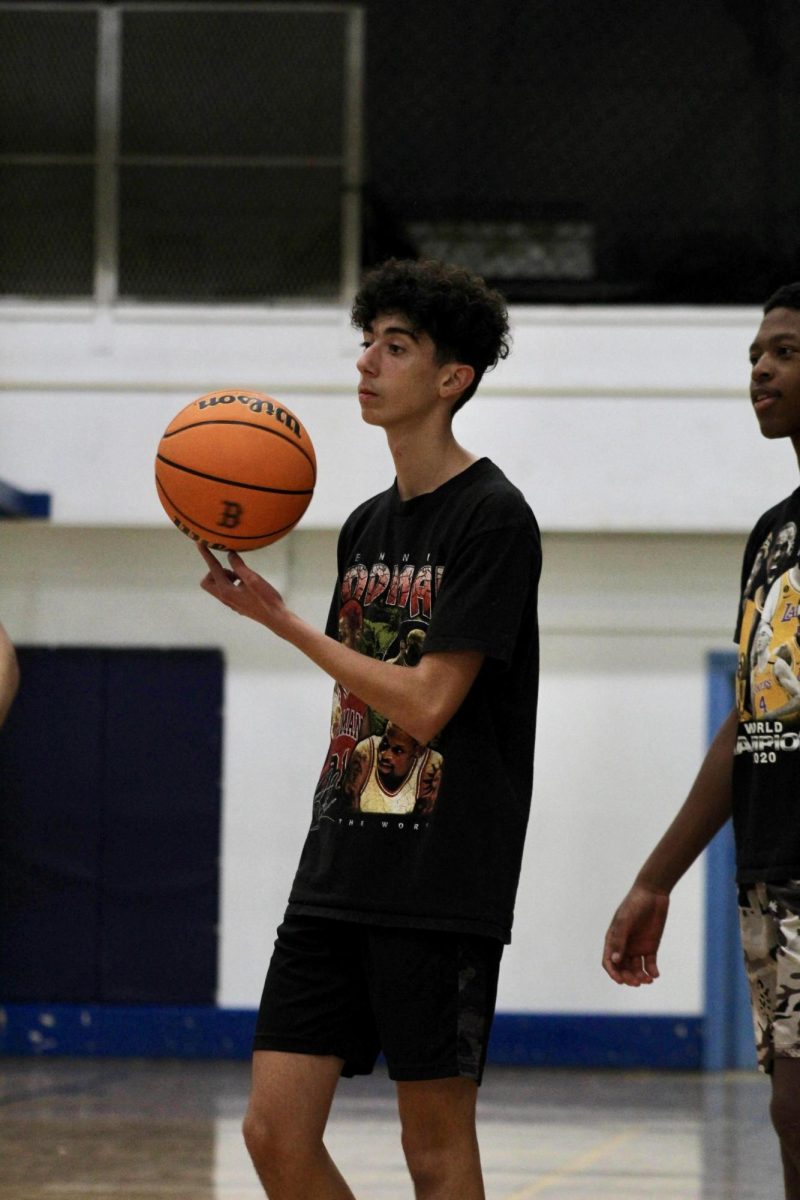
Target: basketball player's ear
x=458 y=376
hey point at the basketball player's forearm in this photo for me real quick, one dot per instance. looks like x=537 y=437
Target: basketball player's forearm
x=790 y=685
x=787 y=710
x=420 y=700
x=704 y=812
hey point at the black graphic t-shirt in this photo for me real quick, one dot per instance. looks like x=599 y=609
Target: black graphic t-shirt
x=431 y=835
x=766 y=767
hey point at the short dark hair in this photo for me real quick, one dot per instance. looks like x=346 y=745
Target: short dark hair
x=466 y=320
x=787 y=296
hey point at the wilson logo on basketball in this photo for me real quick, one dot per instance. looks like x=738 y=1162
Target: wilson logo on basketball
x=261 y=404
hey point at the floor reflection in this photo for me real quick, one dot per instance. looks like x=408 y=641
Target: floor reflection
x=101 y=1129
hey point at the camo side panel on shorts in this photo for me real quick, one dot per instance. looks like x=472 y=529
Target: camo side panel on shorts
x=477 y=995
x=769 y=918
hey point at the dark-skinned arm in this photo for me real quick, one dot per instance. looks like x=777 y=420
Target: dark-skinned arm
x=9 y=673
x=634 y=935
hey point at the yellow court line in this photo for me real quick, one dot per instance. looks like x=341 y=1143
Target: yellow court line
x=574 y=1166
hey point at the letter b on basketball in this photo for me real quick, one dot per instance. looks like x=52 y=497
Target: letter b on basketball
x=231 y=514
x=235 y=470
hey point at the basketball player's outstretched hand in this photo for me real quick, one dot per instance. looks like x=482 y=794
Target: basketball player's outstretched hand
x=634 y=935
x=243 y=590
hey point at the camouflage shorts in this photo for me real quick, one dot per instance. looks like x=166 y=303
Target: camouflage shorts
x=769 y=917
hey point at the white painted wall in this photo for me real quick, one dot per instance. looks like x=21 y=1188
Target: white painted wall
x=606 y=417
x=631 y=434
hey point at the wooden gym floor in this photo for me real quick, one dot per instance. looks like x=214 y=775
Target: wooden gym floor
x=101 y=1129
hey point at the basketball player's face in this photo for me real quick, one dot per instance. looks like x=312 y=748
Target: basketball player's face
x=763 y=639
x=395 y=756
x=399 y=376
x=781 y=550
x=775 y=375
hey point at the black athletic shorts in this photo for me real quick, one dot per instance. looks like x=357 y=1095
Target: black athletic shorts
x=423 y=998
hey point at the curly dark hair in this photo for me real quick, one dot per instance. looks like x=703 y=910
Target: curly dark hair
x=787 y=296
x=466 y=320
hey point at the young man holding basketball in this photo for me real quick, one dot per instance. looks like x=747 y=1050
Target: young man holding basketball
x=752 y=769
x=397 y=917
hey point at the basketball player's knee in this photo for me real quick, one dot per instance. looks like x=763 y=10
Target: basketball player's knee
x=255 y=1133
x=279 y=1152
x=432 y=1158
x=267 y=1143
x=426 y=1163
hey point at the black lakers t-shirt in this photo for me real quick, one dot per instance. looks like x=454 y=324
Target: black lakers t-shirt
x=766 y=768
x=431 y=836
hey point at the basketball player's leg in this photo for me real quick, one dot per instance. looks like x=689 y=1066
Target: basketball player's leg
x=440 y=1141
x=434 y=995
x=313 y=1024
x=284 y=1128
x=770 y=924
x=785 y=1112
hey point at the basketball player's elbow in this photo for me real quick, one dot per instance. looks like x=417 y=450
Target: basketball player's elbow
x=422 y=727
x=433 y=692
x=425 y=717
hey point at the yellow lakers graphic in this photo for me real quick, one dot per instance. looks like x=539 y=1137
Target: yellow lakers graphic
x=771 y=688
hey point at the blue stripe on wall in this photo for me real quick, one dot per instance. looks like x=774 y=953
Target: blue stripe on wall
x=728 y=1042
x=122 y=1031
x=518 y=1039
x=559 y=1040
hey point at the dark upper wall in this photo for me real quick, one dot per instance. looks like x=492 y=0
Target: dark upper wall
x=670 y=128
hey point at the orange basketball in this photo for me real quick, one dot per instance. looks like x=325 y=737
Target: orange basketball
x=235 y=470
